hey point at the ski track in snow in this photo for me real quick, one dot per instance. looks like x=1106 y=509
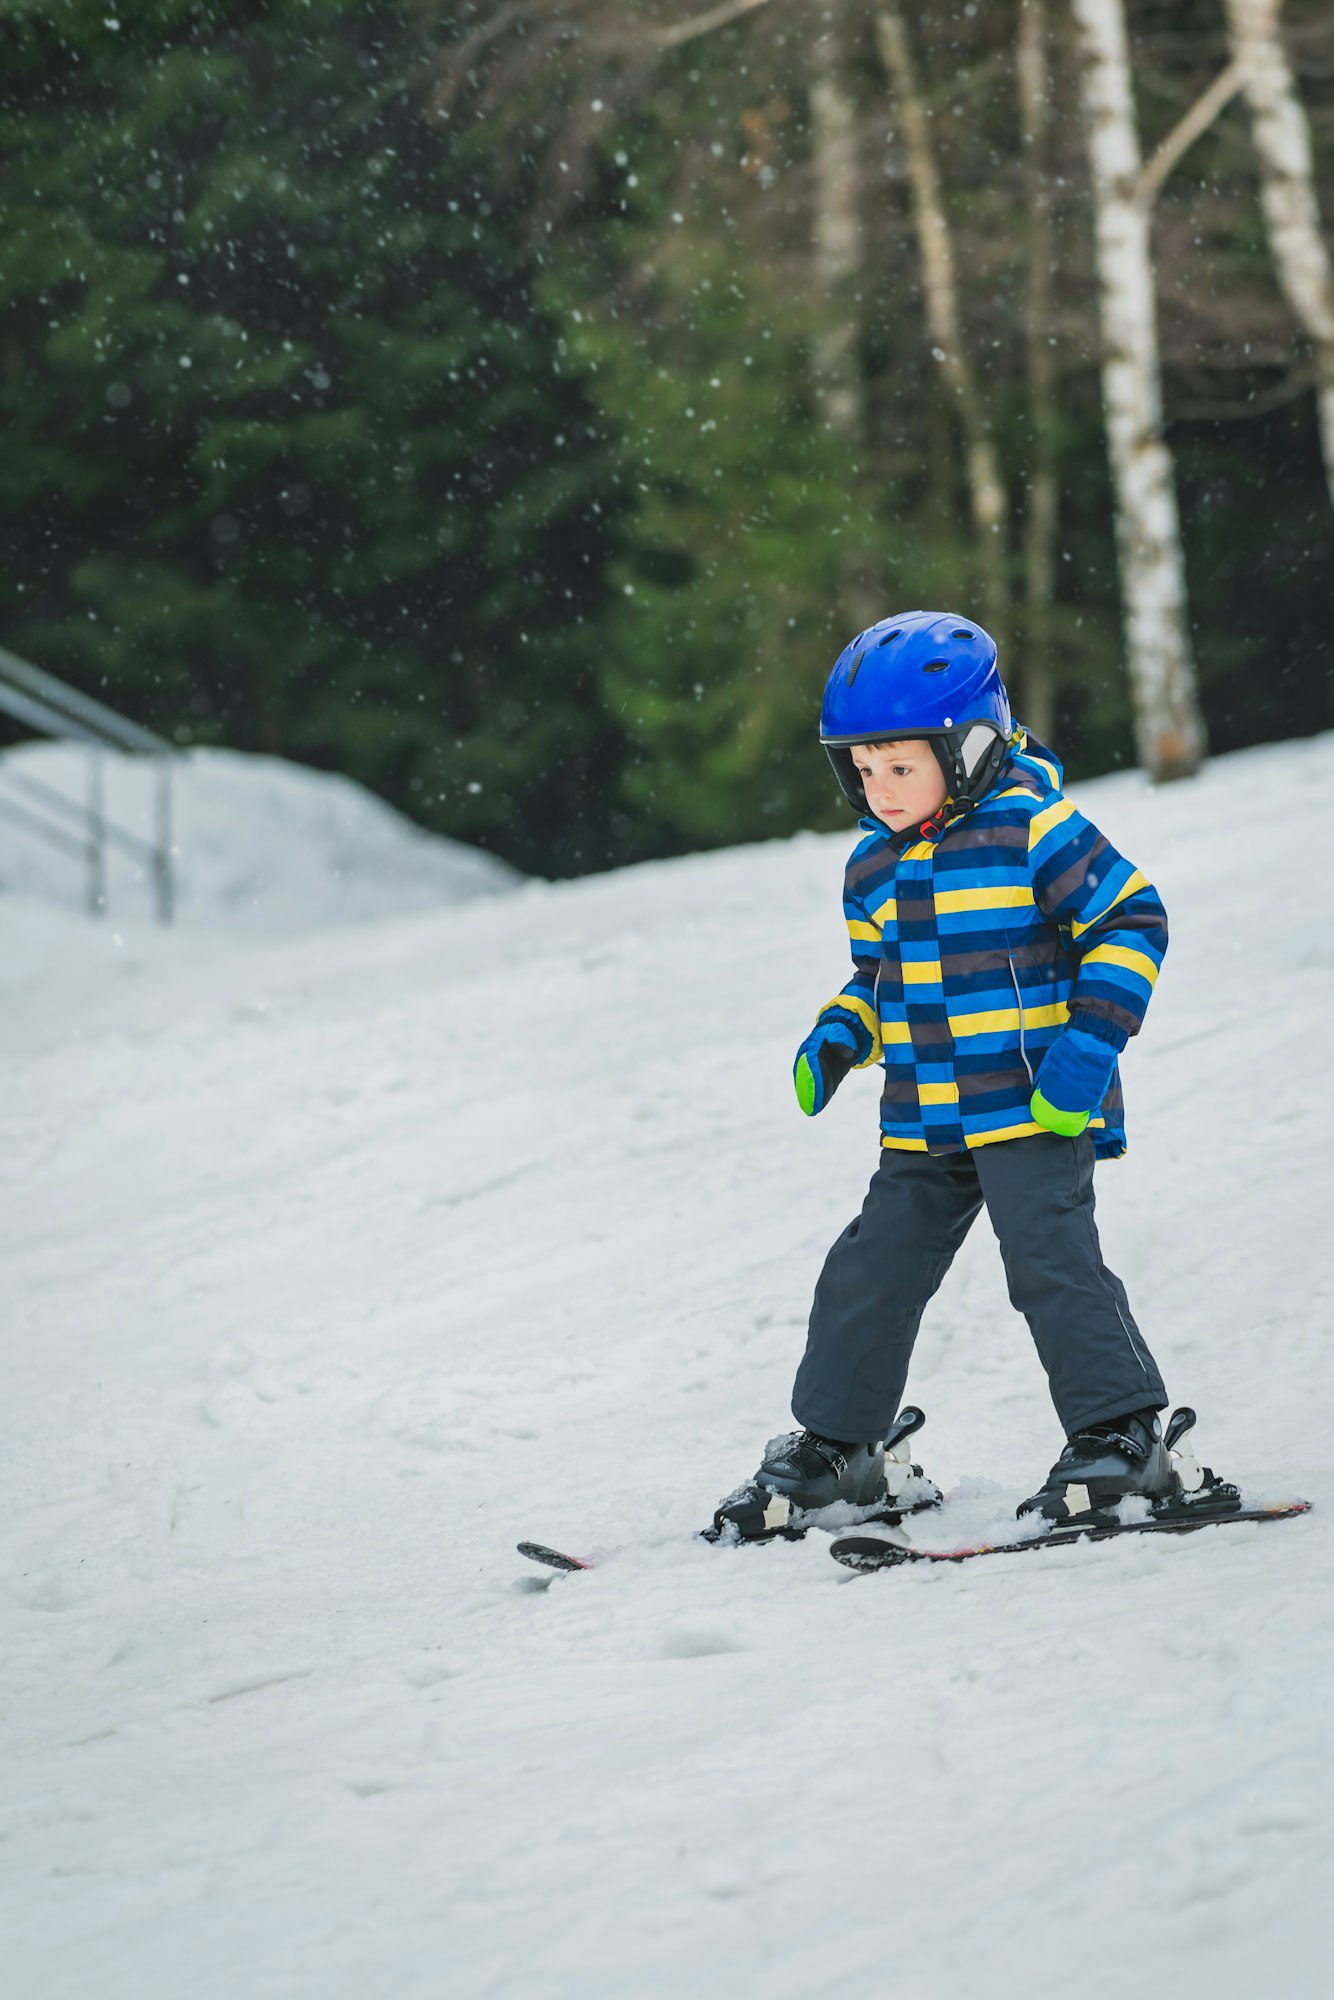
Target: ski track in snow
x=334 y=1266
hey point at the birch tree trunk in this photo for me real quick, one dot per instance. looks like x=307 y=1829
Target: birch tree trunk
x=1039 y=534
x=1287 y=191
x=836 y=244
x=836 y=252
x=986 y=488
x=1168 y=725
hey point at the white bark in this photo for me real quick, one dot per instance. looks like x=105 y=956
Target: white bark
x=1287 y=191
x=986 y=487
x=837 y=240
x=1040 y=513
x=1169 y=726
x=836 y=255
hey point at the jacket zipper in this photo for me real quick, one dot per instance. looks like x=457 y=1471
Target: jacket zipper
x=1019 y=1003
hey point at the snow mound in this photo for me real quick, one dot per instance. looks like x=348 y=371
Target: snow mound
x=263 y=845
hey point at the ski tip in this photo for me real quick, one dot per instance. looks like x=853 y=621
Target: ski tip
x=538 y=1552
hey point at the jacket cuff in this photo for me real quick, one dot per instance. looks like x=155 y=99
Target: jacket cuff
x=1099 y=1027
x=836 y=1015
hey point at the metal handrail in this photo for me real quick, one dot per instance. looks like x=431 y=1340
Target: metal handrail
x=39 y=701
x=81 y=713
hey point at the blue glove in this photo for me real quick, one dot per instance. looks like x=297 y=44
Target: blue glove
x=823 y=1060
x=1072 y=1081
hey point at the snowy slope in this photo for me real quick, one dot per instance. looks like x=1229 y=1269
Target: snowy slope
x=264 y=846
x=333 y=1269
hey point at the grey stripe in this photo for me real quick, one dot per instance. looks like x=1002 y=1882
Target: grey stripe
x=982 y=1083
x=929 y=1034
x=1107 y=1010
x=900 y=1090
x=1070 y=878
x=857 y=872
x=986 y=836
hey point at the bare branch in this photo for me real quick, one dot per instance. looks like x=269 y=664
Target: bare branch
x=1258 y=404
x=457 y=61
x=702 y=24
x=1188 y=129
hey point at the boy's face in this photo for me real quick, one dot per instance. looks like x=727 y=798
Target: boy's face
x=904 y=783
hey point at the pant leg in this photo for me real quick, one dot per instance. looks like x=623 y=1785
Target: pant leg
x=873 y=1290
x=1039 y=1196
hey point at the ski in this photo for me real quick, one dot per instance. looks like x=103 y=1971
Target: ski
x=867 y=1552
x=781 y=1527
x=756 y=1512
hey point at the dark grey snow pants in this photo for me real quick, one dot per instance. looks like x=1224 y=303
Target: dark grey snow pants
x=889 y=1262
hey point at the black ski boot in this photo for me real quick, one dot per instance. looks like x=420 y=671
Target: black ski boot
x=804 y=1475
x=1102 y=1465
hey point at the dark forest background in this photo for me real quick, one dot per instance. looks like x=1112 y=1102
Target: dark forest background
x=393 y=391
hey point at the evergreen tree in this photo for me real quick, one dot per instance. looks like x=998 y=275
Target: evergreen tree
x=293 y=459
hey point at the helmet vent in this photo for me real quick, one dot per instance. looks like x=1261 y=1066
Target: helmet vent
x=897 y=633
x=855 y=668
x=934 y=666
x=963 y=633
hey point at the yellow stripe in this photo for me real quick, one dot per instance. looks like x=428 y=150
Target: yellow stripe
x=1136 y=881
x=938 y=1093
x=887 y=913
x=1120 y=954
x=921 y=850
x=905 y=1145
x=975 y=1139
x=994 y=1020
x=1043 y=822
x=1018 y=897
x=869 y=933
x=927 y=973
x=895 y=1033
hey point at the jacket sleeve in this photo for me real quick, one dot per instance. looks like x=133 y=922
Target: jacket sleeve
x=856 y=1004
x=1113 y=918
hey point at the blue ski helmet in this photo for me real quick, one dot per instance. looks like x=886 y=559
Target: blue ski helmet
x=929 y=674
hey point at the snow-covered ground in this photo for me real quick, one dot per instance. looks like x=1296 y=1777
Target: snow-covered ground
x=334 y=1265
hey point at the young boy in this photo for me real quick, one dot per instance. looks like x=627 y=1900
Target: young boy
x=1003 y=953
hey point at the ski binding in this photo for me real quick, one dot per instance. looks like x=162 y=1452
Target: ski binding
x=1198 y=1499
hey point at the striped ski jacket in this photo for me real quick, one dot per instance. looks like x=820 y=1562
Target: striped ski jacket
x=974 y=947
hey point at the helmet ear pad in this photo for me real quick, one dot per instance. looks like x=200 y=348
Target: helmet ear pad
x=970 y=757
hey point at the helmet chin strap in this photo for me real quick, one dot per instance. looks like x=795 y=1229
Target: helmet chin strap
x=968 y=763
